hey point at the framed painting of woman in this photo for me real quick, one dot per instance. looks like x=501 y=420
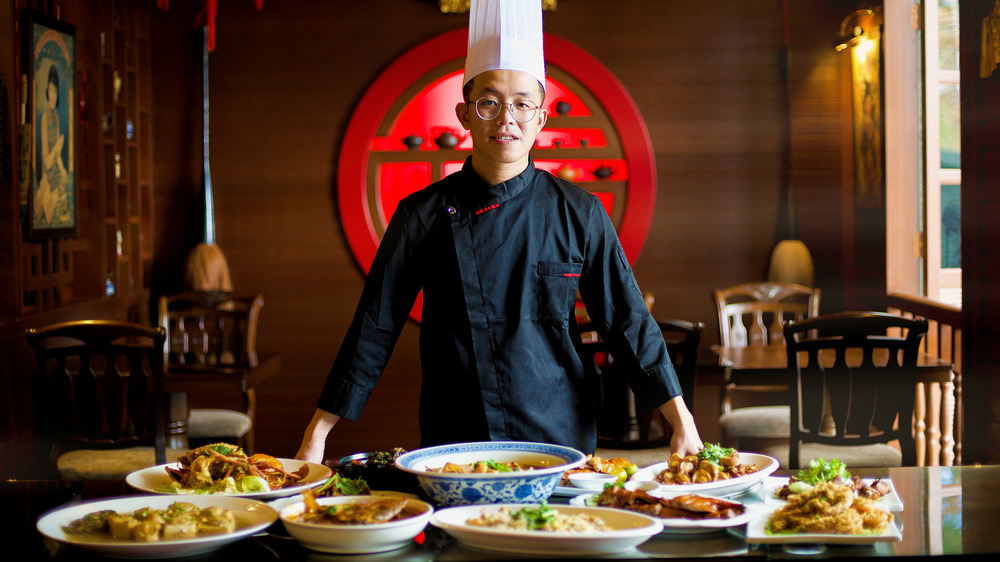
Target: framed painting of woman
x=51 y=67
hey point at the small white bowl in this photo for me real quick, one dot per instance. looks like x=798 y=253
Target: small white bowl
x=355 y=539
x=647 y=486
x=592 y=480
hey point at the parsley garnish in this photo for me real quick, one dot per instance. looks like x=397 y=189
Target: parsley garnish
x=714 y=453
x=536 y=517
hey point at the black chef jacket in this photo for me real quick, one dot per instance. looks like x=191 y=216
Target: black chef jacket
x=500 y=267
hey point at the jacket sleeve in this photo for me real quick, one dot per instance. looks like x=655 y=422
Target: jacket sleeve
x=389 y=293
x=619 y=313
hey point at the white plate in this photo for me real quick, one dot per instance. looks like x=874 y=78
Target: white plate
x=251 y=517
x=678 y=525
x=890 y=502
x=154 y=477
x=757 y=534
x=628 y=531
x=719 y=489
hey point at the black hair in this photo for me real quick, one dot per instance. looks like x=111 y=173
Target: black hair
x=54 y=79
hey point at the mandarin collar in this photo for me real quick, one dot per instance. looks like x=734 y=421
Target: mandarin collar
x=482 y=191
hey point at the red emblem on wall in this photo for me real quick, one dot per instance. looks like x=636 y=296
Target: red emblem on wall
x=404 y=135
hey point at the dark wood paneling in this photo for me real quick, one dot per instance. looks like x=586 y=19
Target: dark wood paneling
x=980 y=209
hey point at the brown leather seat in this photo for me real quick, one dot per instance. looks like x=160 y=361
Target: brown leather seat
x=854 y=376
x=98 y=397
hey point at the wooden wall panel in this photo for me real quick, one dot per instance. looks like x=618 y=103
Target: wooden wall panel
x=980 y=256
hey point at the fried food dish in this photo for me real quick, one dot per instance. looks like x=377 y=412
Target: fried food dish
x=820 y=470
x=709 y=465
x=621 y=467
x=874 y=491
x=688 y=506
x=372 y=512
x=220 y=468
x=181 y=520
x=829 y=508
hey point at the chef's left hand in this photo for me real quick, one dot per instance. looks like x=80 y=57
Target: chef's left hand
x=685 y=440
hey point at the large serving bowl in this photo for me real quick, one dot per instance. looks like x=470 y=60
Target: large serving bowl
x=355 y=539
x=524 y=486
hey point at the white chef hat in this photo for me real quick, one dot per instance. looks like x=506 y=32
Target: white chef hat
x=505 y=35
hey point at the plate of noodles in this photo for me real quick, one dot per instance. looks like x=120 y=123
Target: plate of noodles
x=827 y=514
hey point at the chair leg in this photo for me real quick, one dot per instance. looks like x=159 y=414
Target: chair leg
x=250 y=401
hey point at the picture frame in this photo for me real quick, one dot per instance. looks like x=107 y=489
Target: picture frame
x=869 y=125
x=50 y=64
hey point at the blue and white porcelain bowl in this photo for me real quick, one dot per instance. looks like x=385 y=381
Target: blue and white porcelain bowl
x=549 y=462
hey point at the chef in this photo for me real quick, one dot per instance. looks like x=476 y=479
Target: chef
x=500 y=250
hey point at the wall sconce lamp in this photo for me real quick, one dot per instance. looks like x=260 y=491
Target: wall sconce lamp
x=852 y=29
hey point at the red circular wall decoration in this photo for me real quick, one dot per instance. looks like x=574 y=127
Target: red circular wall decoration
x=404 y=135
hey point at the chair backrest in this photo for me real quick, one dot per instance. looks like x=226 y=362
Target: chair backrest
x=210 y=329
x=99 y=384
x=752 y=314
x=855 y=375
x=682 y=339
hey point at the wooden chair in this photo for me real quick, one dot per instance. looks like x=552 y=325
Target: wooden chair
x=98 y=397
x=208 y=332
x=753 y=314
x=854 y=375
x=624 y=423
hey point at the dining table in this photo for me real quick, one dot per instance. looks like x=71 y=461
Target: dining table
x=942 y=511
x=934 y=390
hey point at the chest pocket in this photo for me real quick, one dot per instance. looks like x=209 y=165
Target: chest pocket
x=557 y=285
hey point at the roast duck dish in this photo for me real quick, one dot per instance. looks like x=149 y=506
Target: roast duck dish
x=688 y=506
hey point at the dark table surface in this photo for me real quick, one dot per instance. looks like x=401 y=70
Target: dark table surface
x=947 y=511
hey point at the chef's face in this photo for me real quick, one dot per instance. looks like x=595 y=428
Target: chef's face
x=503 y=140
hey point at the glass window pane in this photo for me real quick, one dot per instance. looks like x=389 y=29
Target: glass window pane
x=948 y=34
x=950 y=123
x=951 y=233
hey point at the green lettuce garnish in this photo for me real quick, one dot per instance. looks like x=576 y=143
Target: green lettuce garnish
x=822 y=471
x=497 y=466
x=536 y=517
x=341 y=486
x=715 y=453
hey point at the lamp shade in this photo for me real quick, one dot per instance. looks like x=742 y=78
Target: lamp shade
x=791 y=262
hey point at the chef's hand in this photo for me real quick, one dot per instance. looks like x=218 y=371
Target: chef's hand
x=314 y=439
x=685 y=440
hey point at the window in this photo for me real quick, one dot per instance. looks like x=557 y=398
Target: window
x=943 y=171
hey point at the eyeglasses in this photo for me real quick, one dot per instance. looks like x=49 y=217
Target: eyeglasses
x=522 y=110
